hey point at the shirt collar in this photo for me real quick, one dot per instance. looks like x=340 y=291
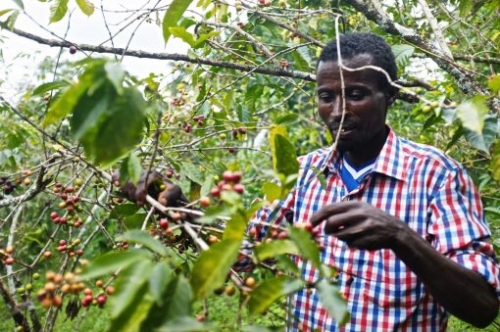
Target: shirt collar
x=390 y=161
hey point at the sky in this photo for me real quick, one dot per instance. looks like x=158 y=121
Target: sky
x=21 y=56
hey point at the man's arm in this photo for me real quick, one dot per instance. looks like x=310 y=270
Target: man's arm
x=461 y=291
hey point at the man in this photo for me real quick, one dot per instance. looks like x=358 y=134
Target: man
x=401 y=222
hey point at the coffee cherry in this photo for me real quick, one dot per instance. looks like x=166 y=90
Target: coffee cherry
x=110 y=290
x=239 y=188
x=250 y=282
x=72 y=49
x=163 y=223
x=229 y=290
x=215 y=192
x=212 y=239
x=204 y=201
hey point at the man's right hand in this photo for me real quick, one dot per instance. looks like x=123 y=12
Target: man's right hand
x=154 y=184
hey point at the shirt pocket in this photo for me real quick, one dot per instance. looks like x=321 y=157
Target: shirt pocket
x=387 y=282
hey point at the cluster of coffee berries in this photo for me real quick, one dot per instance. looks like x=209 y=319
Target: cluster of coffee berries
x=100 y=298
x=6 y=255
x=71 y=220
x=230 y=182
x=178 y=101
x=69 y=201
x=164 y=224
x=70 y=248
x=48 y=294
x=239 y=132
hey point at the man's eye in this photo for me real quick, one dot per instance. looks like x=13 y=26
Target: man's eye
x=356 y=95
x=325 y=97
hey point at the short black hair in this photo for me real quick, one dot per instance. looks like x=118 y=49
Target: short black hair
x=356 y=43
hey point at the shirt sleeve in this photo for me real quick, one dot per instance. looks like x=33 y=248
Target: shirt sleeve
x=458 y=227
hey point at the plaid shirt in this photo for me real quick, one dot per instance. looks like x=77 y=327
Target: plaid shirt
x=424 y=188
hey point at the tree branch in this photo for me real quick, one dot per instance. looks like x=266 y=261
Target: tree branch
x=17 y=315
x=38 y=187
x=373 y=10
x=166 y=56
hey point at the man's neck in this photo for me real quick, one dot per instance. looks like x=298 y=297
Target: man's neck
x=361 y=156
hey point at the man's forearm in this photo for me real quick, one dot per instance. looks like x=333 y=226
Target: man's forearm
x=462 y=292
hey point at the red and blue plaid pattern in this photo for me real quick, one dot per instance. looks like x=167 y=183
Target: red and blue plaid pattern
x=421 y=186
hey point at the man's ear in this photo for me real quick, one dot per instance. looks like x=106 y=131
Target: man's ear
x=391 y=94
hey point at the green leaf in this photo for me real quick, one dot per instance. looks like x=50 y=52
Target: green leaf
x=320 y=175
x=275 y=248
x=131 y=288
x=130 y=318
x=185 y=324
x=176 y=305
x=71 y=97
x=173 y=15
x=494 y=83
x=116 y=75
x=123 y=210
x=19 y=3
x=331 y=299
x=90 y=109
x=183 y=34
x=58 y=10
x=287 y=118
x=253 y=93
x=45 y=87
x=120 y=130
x=205 y=36
x=10 y=22
x=301 y=59
x=283 y=152
x=270 y=290
x=485 y=139
x=307 y=247
x=113 y=261
x=472 y=113
x=192 y=172
x=272 y=191
x=160 y=277
x=211 y=268
x=235 y=228
x=143 y=238
x=213 y=213
x=135 y=221
x=495 y=163
x=86 y=7
x=131 y=169
x=402 y=54
x=5 y=11
x=465 y=7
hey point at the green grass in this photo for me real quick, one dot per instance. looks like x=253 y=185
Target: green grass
x=223 y=314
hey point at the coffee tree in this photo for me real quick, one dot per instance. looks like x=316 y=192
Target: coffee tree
x=225 y=123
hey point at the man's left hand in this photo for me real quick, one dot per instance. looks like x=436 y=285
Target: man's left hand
x=359 y=224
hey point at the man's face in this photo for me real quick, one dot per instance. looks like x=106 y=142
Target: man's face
x=366 y=103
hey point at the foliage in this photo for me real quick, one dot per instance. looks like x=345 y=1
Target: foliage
x=241 y=100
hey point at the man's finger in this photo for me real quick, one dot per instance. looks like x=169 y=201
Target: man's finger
x=330 y=210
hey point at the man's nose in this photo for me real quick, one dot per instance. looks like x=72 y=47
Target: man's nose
x=337 y=107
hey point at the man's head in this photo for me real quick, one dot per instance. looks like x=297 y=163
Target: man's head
x=368 y=93
x=353 y=44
